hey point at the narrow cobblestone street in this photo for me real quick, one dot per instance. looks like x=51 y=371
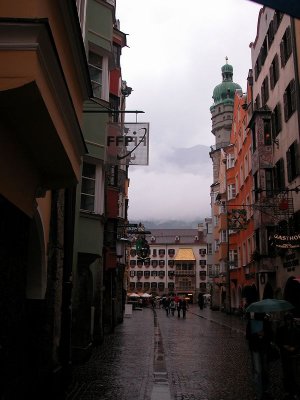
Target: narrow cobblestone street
x=152 y=356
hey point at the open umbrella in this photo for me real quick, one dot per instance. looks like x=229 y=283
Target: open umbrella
x=269 y=305
x=133 y=295
x=146 y=295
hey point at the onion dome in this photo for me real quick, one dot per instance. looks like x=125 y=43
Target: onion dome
x=224 y=92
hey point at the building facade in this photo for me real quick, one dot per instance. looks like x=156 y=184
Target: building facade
x=177 y=264
x=44 y=84
x=275 y=160
x=222 y=114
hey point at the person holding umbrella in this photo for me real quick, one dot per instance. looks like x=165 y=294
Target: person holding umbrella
x=259 y=335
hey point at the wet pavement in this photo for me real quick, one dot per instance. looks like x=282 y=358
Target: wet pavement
x=154 y=357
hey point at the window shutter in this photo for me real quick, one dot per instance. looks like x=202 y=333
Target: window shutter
x=285 y=106
x=289 y=165
x=282 y=54
x=293 y=95
x=272 y=75
x=282 y=180
x=276 y=69
x=279 y=124
x=288 y=42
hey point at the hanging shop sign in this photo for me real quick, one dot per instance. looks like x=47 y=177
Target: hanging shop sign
x=286 y=241
x=237 y=219
x=128 y=143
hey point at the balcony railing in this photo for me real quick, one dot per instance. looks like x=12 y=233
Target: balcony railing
x=185 y=273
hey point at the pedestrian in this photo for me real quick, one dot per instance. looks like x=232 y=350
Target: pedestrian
x=172 y=306
x=179 y=305
x=167 y=306
x=259 y=336
x=201 y=301
x=288 y=340
x=184 y=307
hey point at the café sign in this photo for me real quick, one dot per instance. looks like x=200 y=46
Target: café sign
x=286 y=241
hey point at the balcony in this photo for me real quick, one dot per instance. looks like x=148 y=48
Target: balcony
x=219 y=146
x=185 y=273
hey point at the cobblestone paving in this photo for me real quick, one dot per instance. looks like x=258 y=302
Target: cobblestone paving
x=121 y=368
x=206 y=358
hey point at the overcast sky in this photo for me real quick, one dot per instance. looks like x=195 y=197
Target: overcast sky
x=173 y=62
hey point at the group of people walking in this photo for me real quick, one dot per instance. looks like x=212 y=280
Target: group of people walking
x=267 y=345
x=173 y=304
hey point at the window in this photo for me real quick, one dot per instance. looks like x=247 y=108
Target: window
x=265 y=91
x=223 y=236
x=246 y=166
x=88 y=184
x=146 y=285
x=132 y=274
x=153 y=273
x=132 y=252
x=217 y=245
x=154 y=263
x=270 y=33
x=292 y=160
x=132 y=263
x=289 y=100
x=114 y=105
x=209 y=248
x=277 y=19
x=171 y=252
x=202 y=275
x=161 y=263
x=154 y=253
x=269 y=182
x=147 y=274
x=276 y=120
x=285 y=46
x=202 y=252
x=257 y=102
x=279 y=175
x=117 y=54
x=95 y=69
x=253 y=138
x=202 y=263
x=230 y=191
x=161 y=286
x=242 y=177
x=171 y=263
x=267 y=132
x=274 y=72
x=112 y=175
x=161 y=252
x=230 y=160
x=233 y=259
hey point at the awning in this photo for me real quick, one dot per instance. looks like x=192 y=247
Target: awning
x=185 y=255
